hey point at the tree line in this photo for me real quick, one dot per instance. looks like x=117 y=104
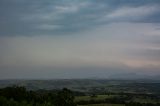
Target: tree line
x=19 y=96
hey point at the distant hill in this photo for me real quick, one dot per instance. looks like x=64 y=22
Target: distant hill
x=74 y=84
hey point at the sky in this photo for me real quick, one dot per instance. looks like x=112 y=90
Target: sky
x=50 y=39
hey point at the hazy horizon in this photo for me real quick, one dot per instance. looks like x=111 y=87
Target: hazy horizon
x=58 y=39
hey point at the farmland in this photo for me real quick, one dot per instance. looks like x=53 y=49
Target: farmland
x=103 y=105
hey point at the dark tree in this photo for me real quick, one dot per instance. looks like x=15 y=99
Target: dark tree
x=65 y=98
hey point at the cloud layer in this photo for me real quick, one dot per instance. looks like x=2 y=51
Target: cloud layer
x=38 y=17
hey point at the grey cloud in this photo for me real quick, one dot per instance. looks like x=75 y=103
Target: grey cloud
x=28 y=17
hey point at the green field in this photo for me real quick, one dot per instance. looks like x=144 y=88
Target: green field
x=145 y=100
x=98 y=97
x=103 y=105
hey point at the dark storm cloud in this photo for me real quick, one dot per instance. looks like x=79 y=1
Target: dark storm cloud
x=52 y=17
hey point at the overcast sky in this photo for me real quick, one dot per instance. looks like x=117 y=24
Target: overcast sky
x=79 y=38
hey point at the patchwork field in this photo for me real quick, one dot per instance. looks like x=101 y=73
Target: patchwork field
x=97 y=97
x=103 y=105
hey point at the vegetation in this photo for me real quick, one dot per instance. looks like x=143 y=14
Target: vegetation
x=19 y=96
x=103 y=105
x=110 y=94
